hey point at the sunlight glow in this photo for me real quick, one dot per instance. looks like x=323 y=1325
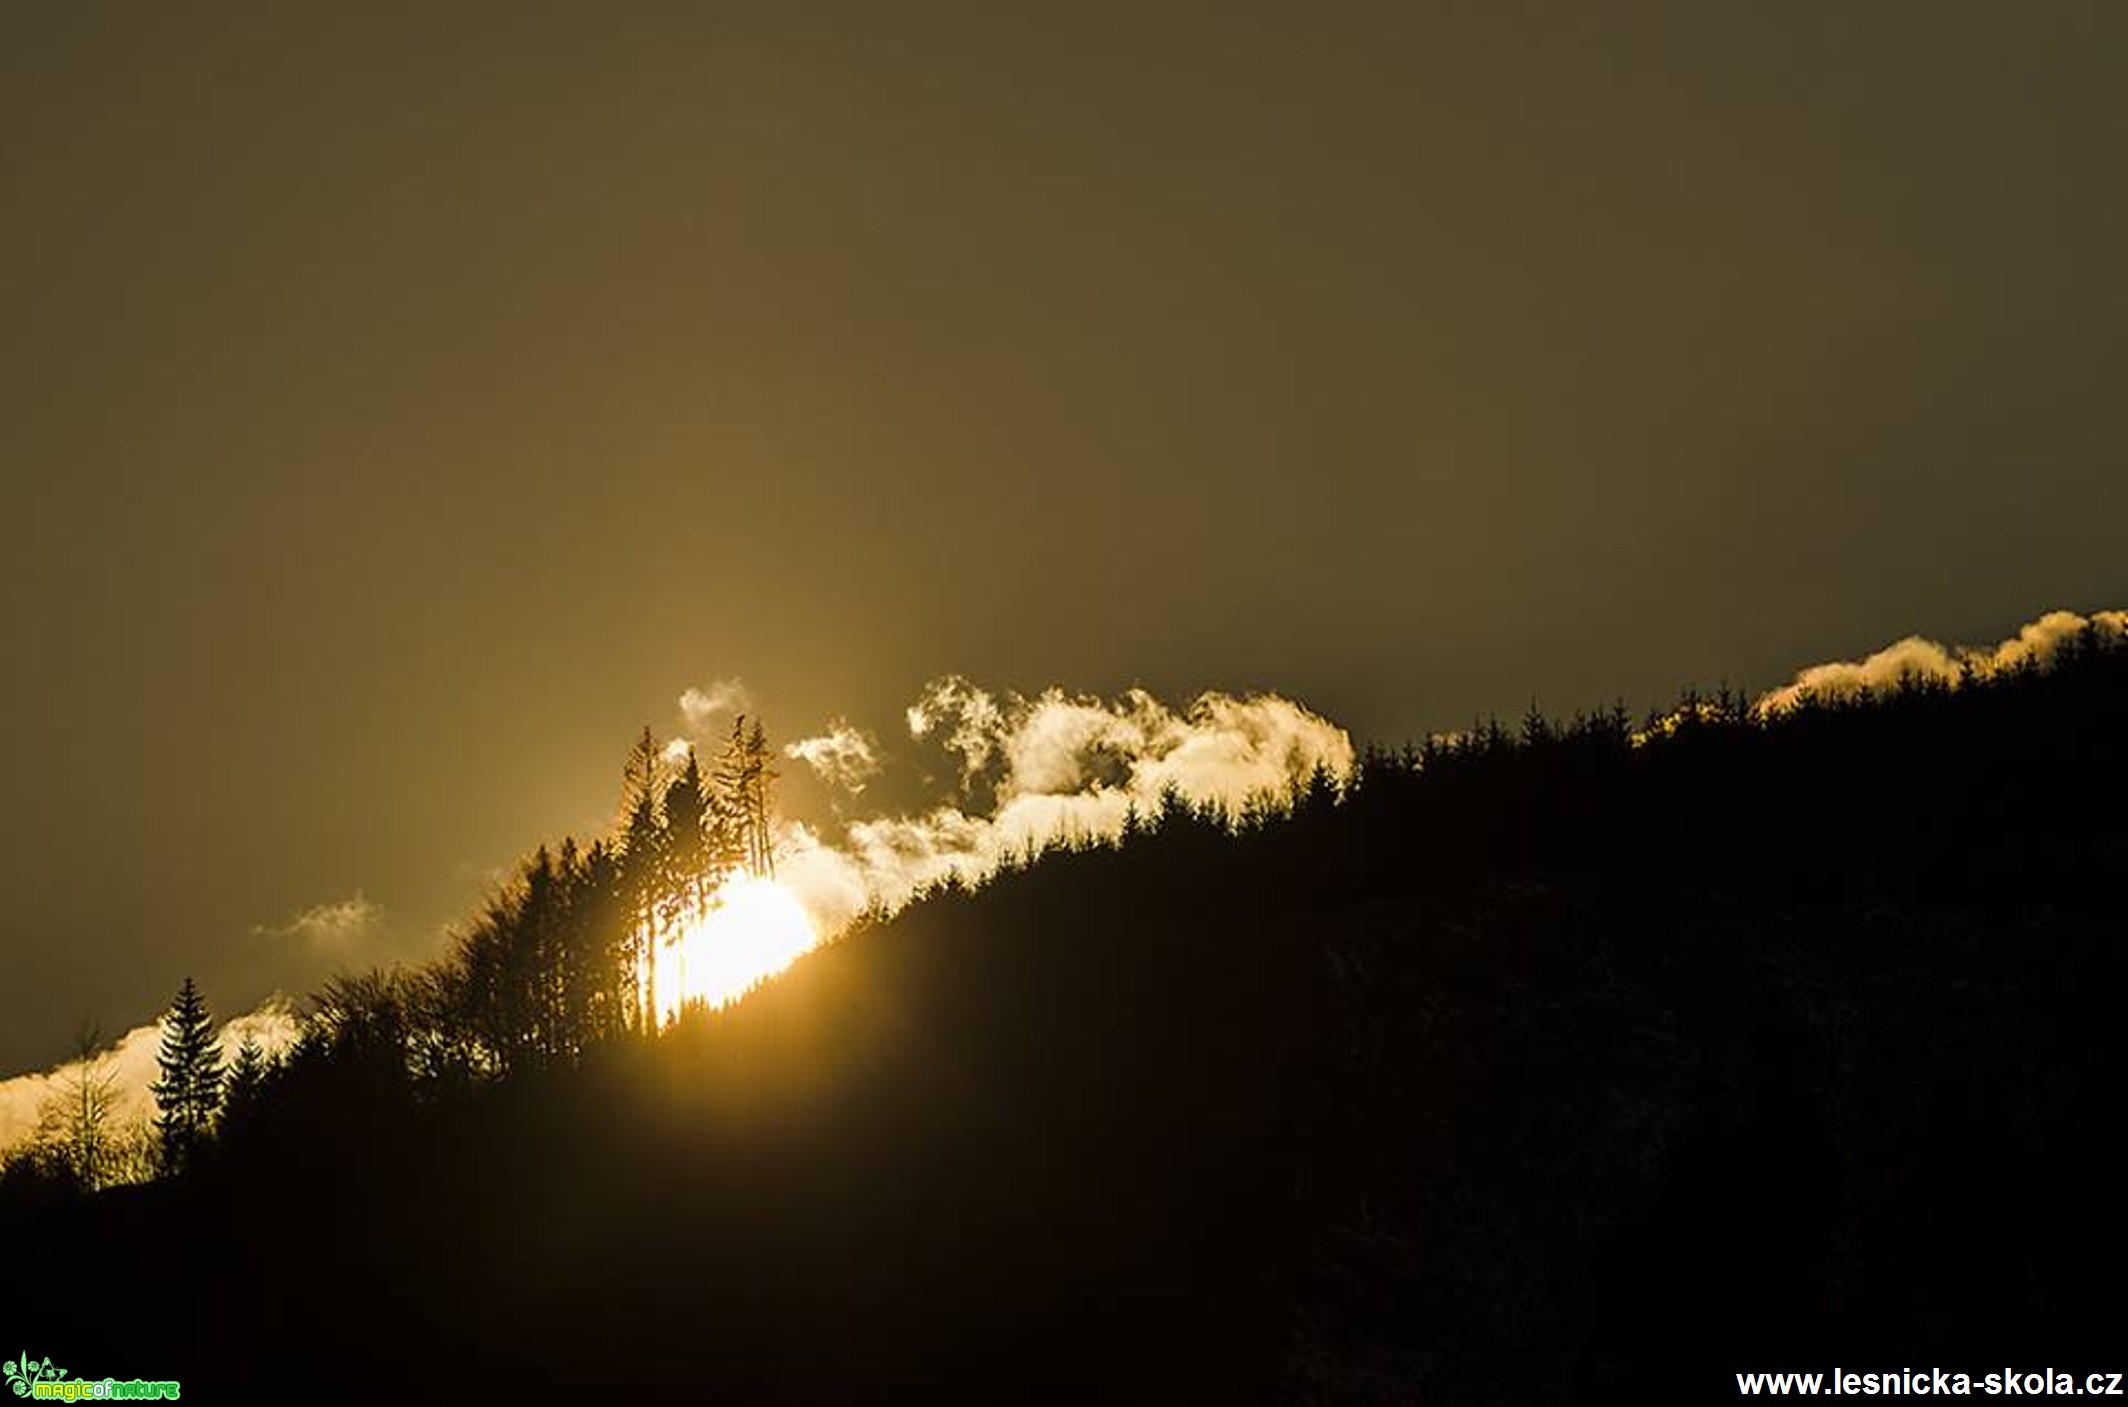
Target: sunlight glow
x=753 y=929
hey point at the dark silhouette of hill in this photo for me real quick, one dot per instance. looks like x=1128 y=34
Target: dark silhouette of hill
x=1538 y=1067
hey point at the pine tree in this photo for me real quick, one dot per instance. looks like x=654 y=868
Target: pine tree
x=244 y=1089
x=688 y=881
x=743 y=781
x=190 y=1090
x=596 y=978
x=687 y=859
x=762 y=859
x=643 y=842
x=245 y=1083
x=538 y=938
x=726 y=821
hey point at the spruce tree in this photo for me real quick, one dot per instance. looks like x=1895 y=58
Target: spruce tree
x=190 y=1090
x=686 y=883
x=727 y=822
x=601 y=953
x=246 y=1082
x=762 y=856
x=643 y=843
x=688 y=802
x=743 y=780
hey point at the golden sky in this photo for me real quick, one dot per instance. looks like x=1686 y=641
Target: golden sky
x=402 y=407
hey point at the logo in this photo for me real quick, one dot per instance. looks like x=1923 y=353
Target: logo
x=30 y=1378
x=24 y=1372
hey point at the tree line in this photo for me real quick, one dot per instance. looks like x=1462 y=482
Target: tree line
x=1524 y=1056
x=558 y=960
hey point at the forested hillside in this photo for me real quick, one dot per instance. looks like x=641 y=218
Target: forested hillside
x=1586 y=1058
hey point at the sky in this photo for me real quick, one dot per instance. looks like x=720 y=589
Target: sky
x=401 y=405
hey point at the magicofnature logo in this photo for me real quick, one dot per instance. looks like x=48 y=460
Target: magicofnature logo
x=24 y=1372
x=30 y=1378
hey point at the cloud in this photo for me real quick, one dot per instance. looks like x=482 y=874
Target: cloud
x=334 y=927
x=1052 y=769
x=129 y=1063
x=702 y=707
x=1916 y=658
x=972 y=713
x=843 y=755
x=341 y=933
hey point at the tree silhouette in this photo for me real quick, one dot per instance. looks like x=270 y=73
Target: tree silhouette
x=190 y=1090
x=1438 y=1081
x=78 y=1120
x=744 y=779
x=688 y=878
x=643 y=871
x=596 y=982
x=244 y=1086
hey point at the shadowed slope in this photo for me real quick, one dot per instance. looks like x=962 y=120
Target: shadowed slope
x=1523 y=1075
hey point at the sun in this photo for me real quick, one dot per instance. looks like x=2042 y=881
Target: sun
x=752 y=929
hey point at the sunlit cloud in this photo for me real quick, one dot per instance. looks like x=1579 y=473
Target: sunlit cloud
x=336 y=926
x=703 y=706
x=1052 y=769
x=1915 y=658
x=129 y=1062
x=971 y=713
x=1034 y=772
x=843 y=755
x=349 y=932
